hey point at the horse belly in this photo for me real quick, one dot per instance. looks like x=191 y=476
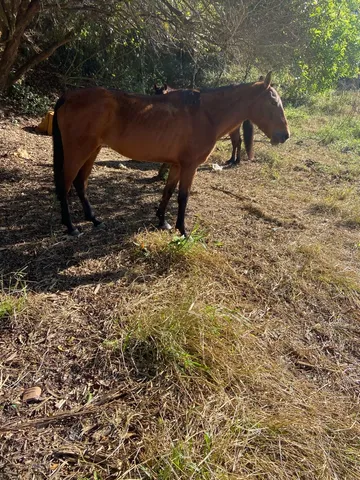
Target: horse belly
x=147 y=146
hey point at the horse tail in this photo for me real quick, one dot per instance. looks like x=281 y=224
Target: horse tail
x=58 y=153
x=248 y=130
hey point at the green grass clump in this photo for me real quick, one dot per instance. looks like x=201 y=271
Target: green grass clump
x=13 y=297
x=156 y=247
x=7 y=308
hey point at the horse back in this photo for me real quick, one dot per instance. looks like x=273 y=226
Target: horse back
x=149 y=128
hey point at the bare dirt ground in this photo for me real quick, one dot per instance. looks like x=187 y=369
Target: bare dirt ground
x=93 y=320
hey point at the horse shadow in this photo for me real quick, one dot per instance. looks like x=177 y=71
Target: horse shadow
x=133 y=165
x=127 y=164
x=32 y=129
x=34 y=246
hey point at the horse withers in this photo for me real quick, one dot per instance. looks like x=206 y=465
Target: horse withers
x=180 y=129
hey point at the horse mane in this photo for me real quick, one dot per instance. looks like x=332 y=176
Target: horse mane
x=223 y=88
x=188 y=96
x=183 y=97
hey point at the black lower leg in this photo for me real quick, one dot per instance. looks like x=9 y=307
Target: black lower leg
x=238 y=150
x=65 y=216
x=180 y=222
x=170 y=186
x=88 y=211
x=232 y=158
x=160 y=212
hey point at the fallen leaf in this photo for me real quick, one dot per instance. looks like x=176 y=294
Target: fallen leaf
x=22 y=153
x=31 y=395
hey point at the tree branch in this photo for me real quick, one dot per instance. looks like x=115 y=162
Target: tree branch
x=40 y=57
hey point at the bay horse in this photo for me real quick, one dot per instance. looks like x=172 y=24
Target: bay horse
x=180 y=129
x=235 y=137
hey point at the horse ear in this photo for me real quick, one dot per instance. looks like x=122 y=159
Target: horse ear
x=261 y=78
x=165 y=86
x=267 y=80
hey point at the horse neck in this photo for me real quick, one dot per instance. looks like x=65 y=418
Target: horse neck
x=228 y=107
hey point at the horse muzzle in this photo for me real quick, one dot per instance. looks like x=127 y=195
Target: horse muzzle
x=279 y=137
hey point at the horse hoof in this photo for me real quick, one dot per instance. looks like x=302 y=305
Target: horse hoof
x=231 y=161
x=182 y=231
x=75 y=233
x=165 y=226
x=232 y=164
x=100 y=226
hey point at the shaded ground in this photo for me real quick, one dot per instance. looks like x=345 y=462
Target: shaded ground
x=93 y=320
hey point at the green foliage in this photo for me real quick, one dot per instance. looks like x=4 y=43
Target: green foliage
x=7 y=307
x=12 y=298
x=26 y=99
x=334 y=47
x=182 y=244
x=332 y=117
x=130 y=45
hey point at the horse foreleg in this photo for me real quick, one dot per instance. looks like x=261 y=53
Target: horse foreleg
x=186 y=179
x=170 y=186
x=236 y=147
x=80 y=184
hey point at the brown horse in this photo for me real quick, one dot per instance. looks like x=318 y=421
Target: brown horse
x=180 y=129
x=235 y=137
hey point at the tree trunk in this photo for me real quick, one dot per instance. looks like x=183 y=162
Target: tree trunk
x=7 y=60
x=26 y=12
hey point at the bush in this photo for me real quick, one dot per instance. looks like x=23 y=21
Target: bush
x=26 y=100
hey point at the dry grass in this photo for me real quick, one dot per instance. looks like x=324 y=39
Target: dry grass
x=232 y=355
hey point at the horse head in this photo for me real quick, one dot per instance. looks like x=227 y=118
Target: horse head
x=160 y=90
x=267 y=112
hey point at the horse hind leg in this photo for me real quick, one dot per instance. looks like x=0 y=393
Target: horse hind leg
x=76 y=159
x=63 y=194
x=80 y=183
x=169 y=189
x=66 y=217
x=186 y=179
